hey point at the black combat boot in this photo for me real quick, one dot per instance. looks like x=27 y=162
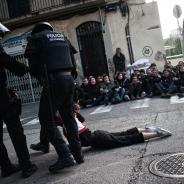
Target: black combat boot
x=28 y=171
x=79 y=157
x=40 y=147
x=61 y=164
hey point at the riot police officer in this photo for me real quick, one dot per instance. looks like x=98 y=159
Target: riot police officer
x=10 y=116
x=51 y=60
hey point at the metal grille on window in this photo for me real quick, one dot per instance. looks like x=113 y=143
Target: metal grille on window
x=27 y=87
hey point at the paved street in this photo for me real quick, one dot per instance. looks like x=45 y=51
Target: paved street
x=127 y=165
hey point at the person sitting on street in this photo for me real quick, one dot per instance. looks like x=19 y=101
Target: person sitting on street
x=145 y=83
x=153 y=80
x=106 y=90
x=135 y=89
x=167 y=84
x=84 y=97
x=99 y=80
x=120 y=93
x=179 y=81
x=94 y=92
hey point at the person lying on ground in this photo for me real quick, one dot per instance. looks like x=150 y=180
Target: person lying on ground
x=101 y=139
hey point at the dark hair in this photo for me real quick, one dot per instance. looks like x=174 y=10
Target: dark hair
x=142 y=71
x=153 y=64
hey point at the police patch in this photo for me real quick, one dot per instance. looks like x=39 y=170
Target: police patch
x=55 y=37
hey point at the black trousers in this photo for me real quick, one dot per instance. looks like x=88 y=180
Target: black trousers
x=15 y=130
x=105 y=140
x=61 y=90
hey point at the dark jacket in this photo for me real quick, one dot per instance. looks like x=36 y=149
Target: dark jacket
x=119 y=62
x=94 y=91
x=85 y=89
x=9 y=63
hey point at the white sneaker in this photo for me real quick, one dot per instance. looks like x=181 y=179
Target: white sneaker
x=160 y=131
x=126 y=98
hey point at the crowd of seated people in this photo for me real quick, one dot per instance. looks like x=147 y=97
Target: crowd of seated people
x=140 y=84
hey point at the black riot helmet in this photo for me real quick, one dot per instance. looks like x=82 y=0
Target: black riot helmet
x=42 y=26
x=3 y=30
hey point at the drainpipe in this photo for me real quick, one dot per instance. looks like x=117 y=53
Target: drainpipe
x=125 y=10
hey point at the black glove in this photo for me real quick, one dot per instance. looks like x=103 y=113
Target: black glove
x=74 y=73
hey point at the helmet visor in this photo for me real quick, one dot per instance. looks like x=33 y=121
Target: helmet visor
x=3 y=29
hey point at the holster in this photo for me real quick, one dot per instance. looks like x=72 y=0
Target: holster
x=10 y=101
x=15 y=102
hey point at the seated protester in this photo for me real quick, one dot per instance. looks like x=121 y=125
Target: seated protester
x=153 y=79
x=168 y=66
x=90 y=77
x=154 y=68
x=177 y=67
x=120 y=93
x=84 y=93
x=101 y=139
x=106 y=90
x=145 y=83
x=179 y=80
x=135 y=89
x=167 y=84
x=99 y=80
x=135 y=73
x=94 y=93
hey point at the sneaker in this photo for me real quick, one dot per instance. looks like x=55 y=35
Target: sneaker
x=160 y=131
x=168 y=95
x=126 y=98
x=150 y=95
x=163 y=133
x=29 y=171
x=40 y=147
x=13 y=168
x=138 y=97
x=143 y=94
x=132 y=97
x=180 y=95
x=61 y=164
x=163 y=95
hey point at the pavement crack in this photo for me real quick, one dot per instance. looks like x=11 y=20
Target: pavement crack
x=137 y=169
x=156 y=117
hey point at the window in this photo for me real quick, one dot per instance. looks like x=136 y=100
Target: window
x=18 y=7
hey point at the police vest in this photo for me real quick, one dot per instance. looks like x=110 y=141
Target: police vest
x=55 y=51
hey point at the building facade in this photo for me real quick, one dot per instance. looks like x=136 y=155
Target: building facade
x=95 y=28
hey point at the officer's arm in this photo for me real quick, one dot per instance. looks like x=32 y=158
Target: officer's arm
x=12 y=64
x=32 y=54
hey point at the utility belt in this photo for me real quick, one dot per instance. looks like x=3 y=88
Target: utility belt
x=58 y=73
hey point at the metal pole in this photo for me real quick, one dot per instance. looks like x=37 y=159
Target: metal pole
x=30 y=81
x=181 y=37
x=182 y=33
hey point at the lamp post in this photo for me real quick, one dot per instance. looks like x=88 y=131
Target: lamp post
x=177 y=12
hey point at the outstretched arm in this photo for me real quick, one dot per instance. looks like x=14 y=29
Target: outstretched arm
x=12 y=64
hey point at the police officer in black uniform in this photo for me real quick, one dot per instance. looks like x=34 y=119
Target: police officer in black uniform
x=10 y=115
x=51 y=60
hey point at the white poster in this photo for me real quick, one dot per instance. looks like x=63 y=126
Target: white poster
x=16 y=45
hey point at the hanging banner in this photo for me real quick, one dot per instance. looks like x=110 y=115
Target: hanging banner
x=16 y=45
